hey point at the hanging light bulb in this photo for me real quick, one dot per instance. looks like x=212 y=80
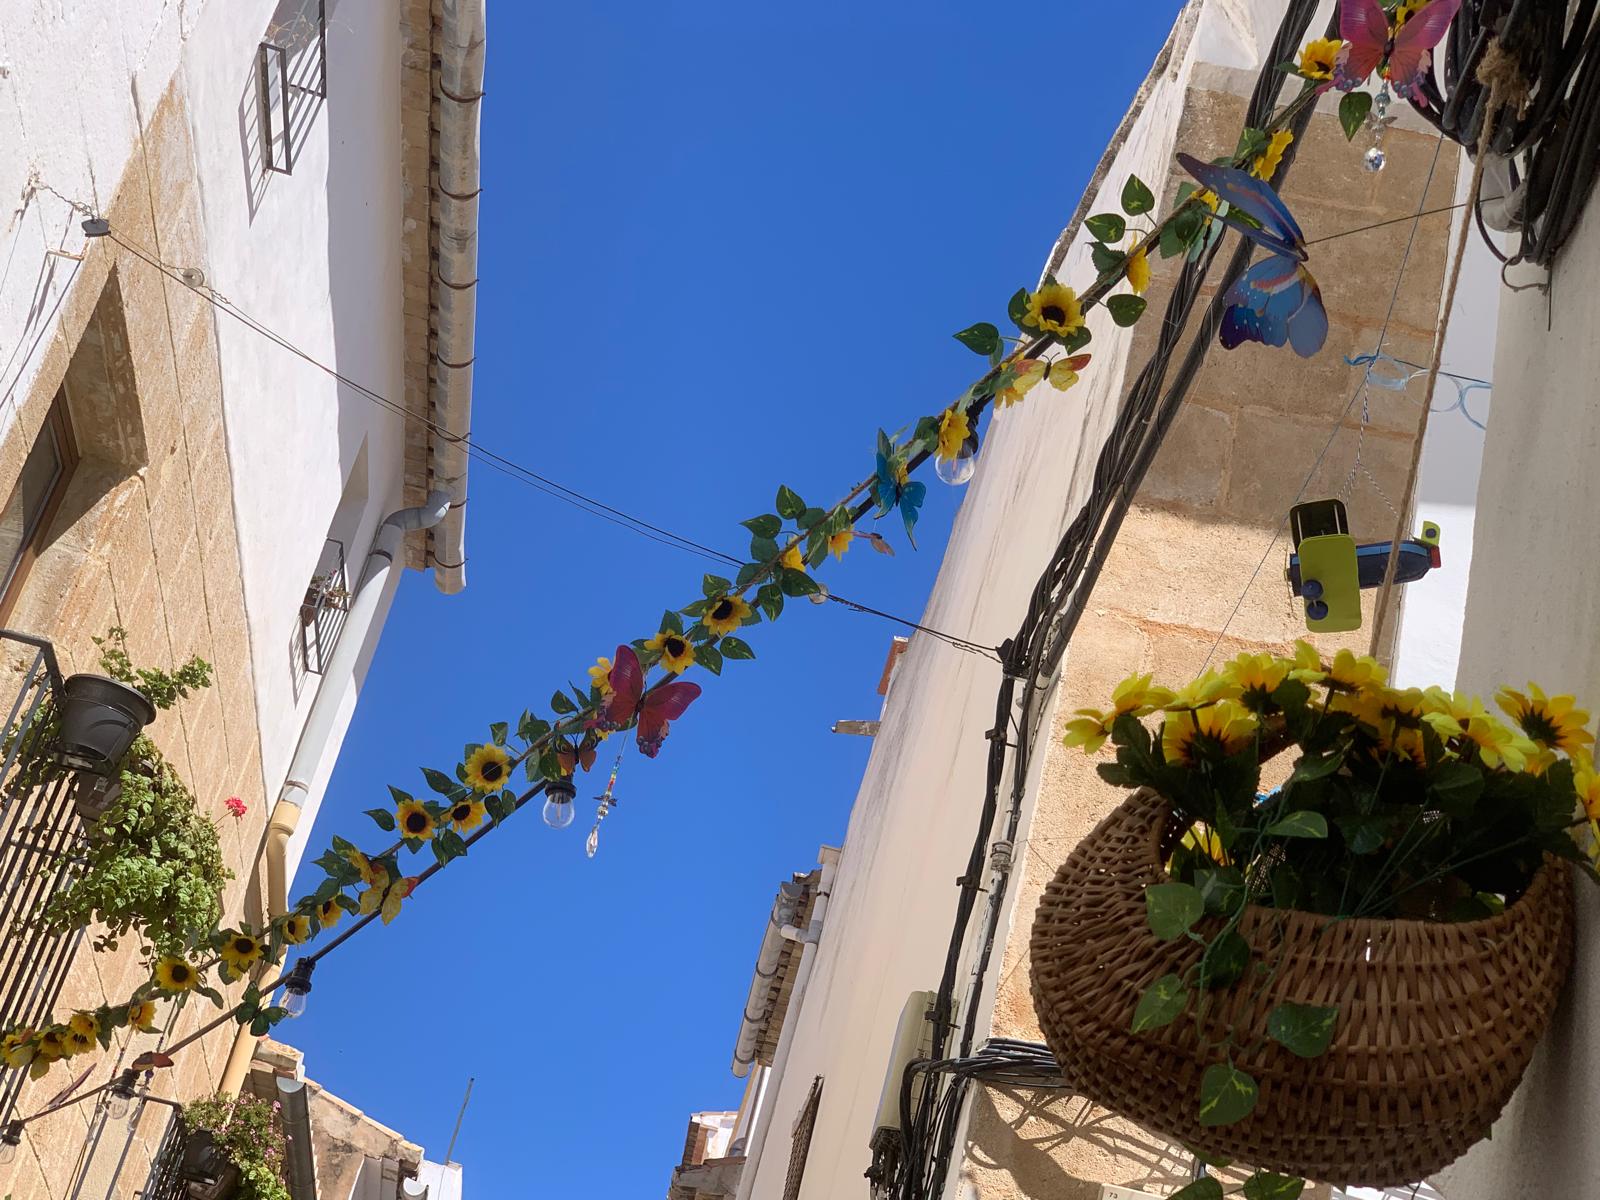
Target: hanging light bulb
x=10 y=1139
x=558 y=797
x=119 y=1102
x=956 y=471
x=297 y=988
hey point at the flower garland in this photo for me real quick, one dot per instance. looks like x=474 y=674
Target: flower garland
x=786 y=546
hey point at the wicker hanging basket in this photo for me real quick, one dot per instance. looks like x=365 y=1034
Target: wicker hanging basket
x=1437 y=1021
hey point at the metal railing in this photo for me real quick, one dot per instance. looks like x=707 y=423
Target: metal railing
x=323 y=614
x=291 y=79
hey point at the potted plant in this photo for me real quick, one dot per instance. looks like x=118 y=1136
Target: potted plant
x=1343 y=978
x=238 y=1147
x=98 y=716
x=324 y=591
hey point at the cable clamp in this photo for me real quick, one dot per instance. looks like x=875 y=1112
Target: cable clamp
x=1002 y=856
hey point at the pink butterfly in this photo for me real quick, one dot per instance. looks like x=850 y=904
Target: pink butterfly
x=1370 y=44
x=655 y=709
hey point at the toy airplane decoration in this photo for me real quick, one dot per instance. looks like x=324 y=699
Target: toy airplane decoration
x=1327 y=569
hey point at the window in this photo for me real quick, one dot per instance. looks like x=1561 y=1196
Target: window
x=25 y=519
x=801 y=1147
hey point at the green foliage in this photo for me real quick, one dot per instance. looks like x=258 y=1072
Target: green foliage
x=248 y=1131
x=982 y=338
x=1125 y=309
x=153 y=866
x=1227 y=1094
x=1304 y=1030
x=1136 y=197
x=162 y=688
x=1353 y=110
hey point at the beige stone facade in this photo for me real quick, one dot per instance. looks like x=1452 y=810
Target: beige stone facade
x=1191 y=579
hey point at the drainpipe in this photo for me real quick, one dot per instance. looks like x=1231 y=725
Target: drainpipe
x=809 y=937
x=299 y=1165
x=755 y=1006
x=457 y=99
x=321 y=722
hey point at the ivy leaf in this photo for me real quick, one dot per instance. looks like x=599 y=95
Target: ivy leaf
x=747 y=574
x=733 y=647
x=1353 y=110
x=766 y=525
x=444 y=785
x=1106 y=227
x=448 y=845
x=1304 y=1030
x=982 y=338
x=789 y=504
x=1302 y=824
x=1221 y=889
x=763 y=549
x=498 y=731
x=1126 y=309
x=1456 y=786
x=709 y=657
x=1136 y=197
x=1106 y=259
x=1172 y=909
x=670 y=621
x=382 y=818
x=1163 y=1003
x=1227 y=1095
x=1309 y=768
x=769 y=598
x=1252 y=142
x=1207 y=1187
x=498 y=806
x=210 y=993
x=714 y=585
x=797 y=583
x=531 y=728
x=1077 y=340
x=1017 y=308
x=399 y=798
x=1225 y=961
x=1264 y=1185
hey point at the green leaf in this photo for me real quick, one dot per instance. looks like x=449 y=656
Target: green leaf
x=1364 y=833
x=1126 y=309
x=813 y=517
x=498 y=731
x=210 y=993
x=747 y=574
x=1136 y=197
x=769 y=598
x=1106 y=259
x=382 y=818
x=499 y=807
x=789 y=505
x=1264 y=1185
x=1302 y=824
x=766 y=525
x=982 y=338
x=1309 y=768
x=1304 y=1030
x=1221 y=889
x=714 y=585
x=449 y=845
x=1163 y=1003
x=1353 y=110
x=442 y=783
x=399 y=797
x=1252 y=142
x=1225 y=961
x=1017 y=308
x=709 y=657
x=1227 y=1095
x=1456 y=786
x=696 y=609
x=1172 y=909
x=559 y=703
x=797 y=583
x=1205 y=1188
x=531 y=728
x=763 y=550
x=1077 y=340
x=670 y=621
x=1106 y=227
x=733 y=647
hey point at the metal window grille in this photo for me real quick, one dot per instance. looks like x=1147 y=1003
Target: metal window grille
x=801 y=1147
x=166 y=1181
x=323 y=614
x=291 y=79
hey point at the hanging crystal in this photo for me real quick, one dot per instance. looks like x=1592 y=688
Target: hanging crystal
x=607 y=799
x=1378 y=122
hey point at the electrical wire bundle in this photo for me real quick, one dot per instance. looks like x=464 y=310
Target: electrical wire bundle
x=1543 y=157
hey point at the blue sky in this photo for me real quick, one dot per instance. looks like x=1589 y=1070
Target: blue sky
x=723 y=244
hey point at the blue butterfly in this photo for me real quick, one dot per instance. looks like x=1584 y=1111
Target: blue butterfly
x=1276 y=301
x=890 y=492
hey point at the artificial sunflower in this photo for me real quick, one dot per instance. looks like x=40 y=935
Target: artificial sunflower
x=1137 y=266
x=1318 y=57
x=1269 y=160
x=17 y=1047
x=1349 y=672
x=954 y=430
x=328 y=913
x=1054 y=308
x=725 y=614
x=1256 y=676
x=142 y=1016
x=240 y=951
x=50 y=1046
x=174 y=974
x=369 y=872
x=1206 y=689
x=414 y=819
x=466 y=815
x=677 y=655
x=839 y=542
x=1497 y=745
x=792 y=559
x=80 y=1034
x=1225 y=727
x=600 y=676
x=1552 y=721
x=296 y=928
x=488 y=768
x=1018 y=381
x=1586 y=782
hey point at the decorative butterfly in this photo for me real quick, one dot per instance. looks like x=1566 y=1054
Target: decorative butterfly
x=891 y=489
x=655 y=709
x=1277 y=300
x=1372 y=44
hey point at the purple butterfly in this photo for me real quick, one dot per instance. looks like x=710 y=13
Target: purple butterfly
x=1371 y=44
x=1276 y=301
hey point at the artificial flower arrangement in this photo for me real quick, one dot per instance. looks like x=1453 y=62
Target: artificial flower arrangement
x=1403 y=804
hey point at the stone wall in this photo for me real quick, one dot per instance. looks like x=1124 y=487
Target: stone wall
x=1191 y=578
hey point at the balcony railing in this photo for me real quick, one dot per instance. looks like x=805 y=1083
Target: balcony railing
x=323 y=614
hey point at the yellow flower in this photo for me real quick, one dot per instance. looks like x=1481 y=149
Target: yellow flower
x=1054 y=308
x=1089 y=729
x=1348 y=672
x=1318 y=57
x=1207 y=689
x=600 y=675
x=1256 y=676
x=240 y=951
x=328 y=913
x=1019 y=380
x=369 y=871
x=839 y=542
x=1225 y=727
x=174 y=974
x=1063 y=372
x=467 y=815
x=1267 y=162
x=1446 y=713
x=1209 y=198
x=488 y=768
x=296 y=928
x=677 y=655
x=954 y=430
x=725 y=614
x=1137 y=696
x=1206 y=840
x=793 y=559
x=413 y=817
x=80 y=1034
x=17 y=1047
x=1585 y=781
x=143 y=1016
x=50 y=1045
x=1138 y=268
x=1497 y=745
x=1552 y=721
x=1404 y=11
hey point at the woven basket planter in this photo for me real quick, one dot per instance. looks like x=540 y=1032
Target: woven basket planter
x=1437 y=1021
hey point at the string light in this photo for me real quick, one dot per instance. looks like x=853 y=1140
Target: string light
x=297 y=988
x=558 y=797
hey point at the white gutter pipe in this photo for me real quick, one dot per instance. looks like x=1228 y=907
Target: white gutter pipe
x=802 y=976
x=299 y=1164
x=455 y=284
x=784 y=908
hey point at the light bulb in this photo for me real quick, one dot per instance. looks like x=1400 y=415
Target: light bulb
x=294 y=1003
x=8 y=1153
x=297 y=987
x=956 y=471
x=119 y=1106
x=558 y=797
x=10 y=1139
